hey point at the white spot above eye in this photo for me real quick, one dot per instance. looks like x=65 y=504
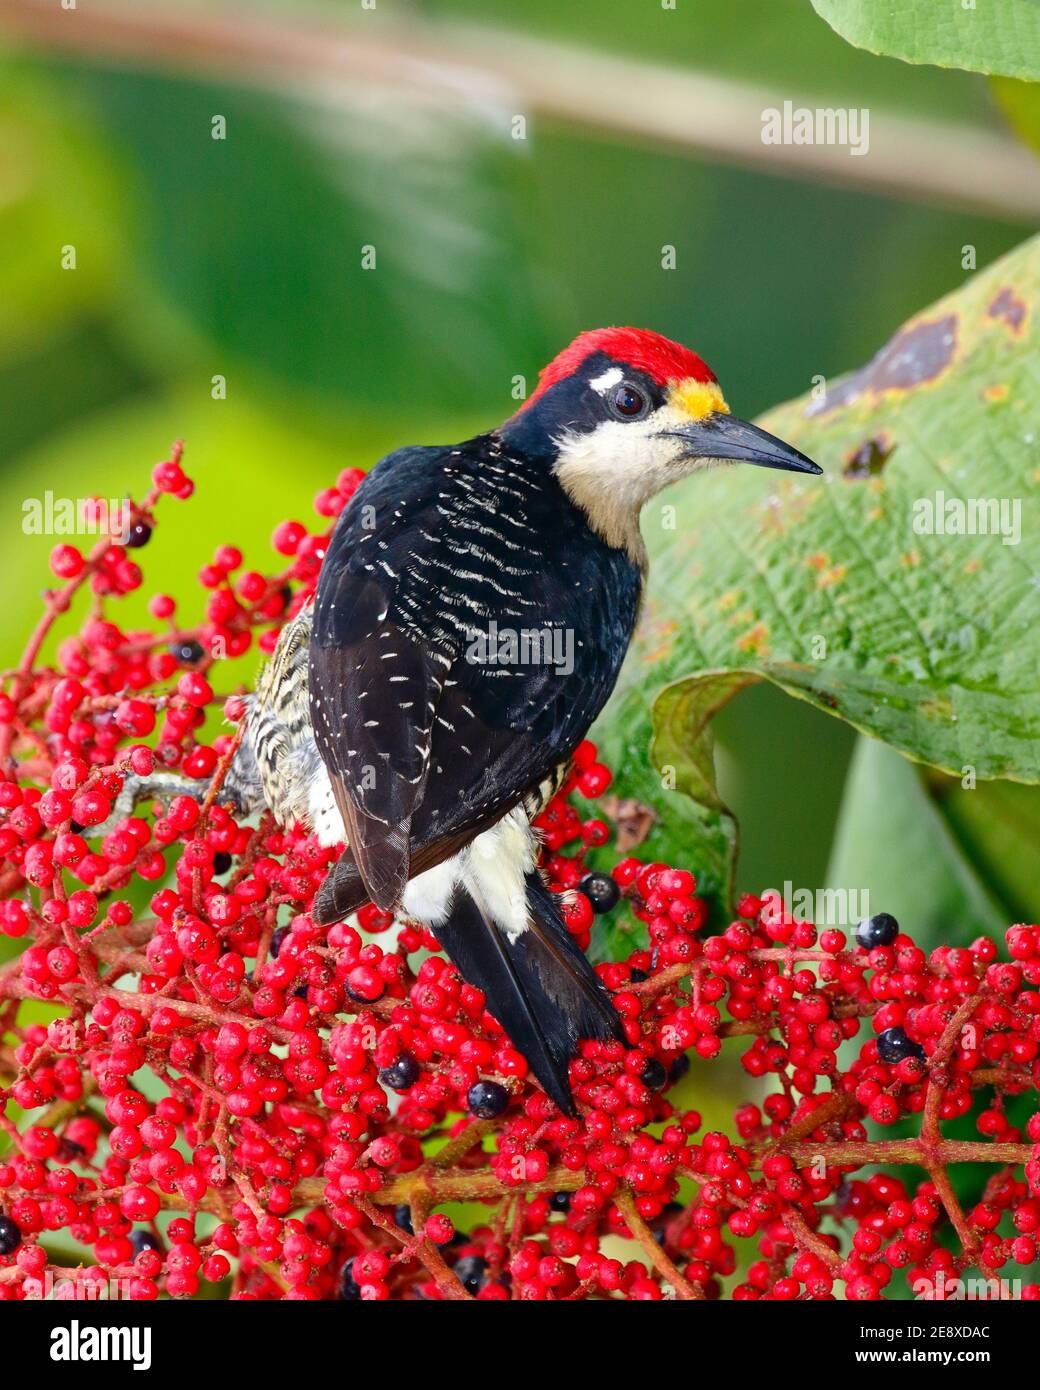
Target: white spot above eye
x=610 y=378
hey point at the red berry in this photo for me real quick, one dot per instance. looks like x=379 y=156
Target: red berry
x=67 y=562
x=287 y=537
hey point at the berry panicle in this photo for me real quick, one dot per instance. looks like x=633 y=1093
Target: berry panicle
x=321 y=1095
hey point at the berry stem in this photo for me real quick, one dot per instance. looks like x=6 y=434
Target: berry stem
x=659 y=1260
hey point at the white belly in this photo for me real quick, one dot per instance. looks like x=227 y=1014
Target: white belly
x=491 y=868
x=322 y=812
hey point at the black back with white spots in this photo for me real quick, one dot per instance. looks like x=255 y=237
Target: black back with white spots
x=431 y=724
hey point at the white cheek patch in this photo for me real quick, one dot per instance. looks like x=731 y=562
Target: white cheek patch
x=602 y=384
x=611 y=471
x=632 y=459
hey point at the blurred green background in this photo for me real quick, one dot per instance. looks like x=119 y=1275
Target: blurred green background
x=242 y=258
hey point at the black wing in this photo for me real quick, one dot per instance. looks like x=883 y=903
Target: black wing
x=431 y=720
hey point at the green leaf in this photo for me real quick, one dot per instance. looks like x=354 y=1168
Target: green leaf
x=1020 y=103
x=287 y=247
x=835 y=590
x=948 y=860
x=987 y=37
x=996 y=826
x=60 y=241
x=894 y=846
x=691 y=817
x=824 y=586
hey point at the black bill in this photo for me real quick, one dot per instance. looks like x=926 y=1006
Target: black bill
x=725 y=437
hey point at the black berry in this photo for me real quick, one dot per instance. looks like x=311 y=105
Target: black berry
x=880 y=930
x=221 y=862
x=601 y=891
x=679 y=1068
x=402 y=1074
x=670 y=1210
x=277 y=937
x=471 y=1272
x=654 y=1076
x=403 y=1219
x=188 y=652
x=895 y=1046
x=487 y=1099
x=560 y=1201
x=368 y=995
x=144 y=1240
x=140 y=533
x=348 y=1290
x=10 y=1236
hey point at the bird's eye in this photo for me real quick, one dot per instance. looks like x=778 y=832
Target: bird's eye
x=628 y=402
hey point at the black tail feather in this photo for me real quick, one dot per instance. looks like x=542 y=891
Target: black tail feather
x=342 y=892
x=540 y=985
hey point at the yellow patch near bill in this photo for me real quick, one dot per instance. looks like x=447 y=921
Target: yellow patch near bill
x=698 y=399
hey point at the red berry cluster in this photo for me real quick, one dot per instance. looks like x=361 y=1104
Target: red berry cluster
x=199 y=1085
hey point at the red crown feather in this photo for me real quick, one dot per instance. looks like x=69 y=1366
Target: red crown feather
x=660 y=358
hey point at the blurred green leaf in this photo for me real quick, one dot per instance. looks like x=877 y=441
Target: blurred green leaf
x=328 y=241
x=997 y=828
x=1020 y=103
x=58 y=190
x=1002 y=38
x=894 y=844
x=254 y=463
x=948 y=860
x=768 y=42
x=827 y=589
x=694 y=828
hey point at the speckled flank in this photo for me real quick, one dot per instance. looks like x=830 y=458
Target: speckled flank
x=278 y=764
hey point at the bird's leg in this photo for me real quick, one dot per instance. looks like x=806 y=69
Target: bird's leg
x=241 y=790
x=157 y=786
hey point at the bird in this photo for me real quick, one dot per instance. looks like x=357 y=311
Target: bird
x=472 y=613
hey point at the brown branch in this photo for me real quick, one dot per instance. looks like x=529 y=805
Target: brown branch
x=453 y=65
x=930 y=1133
x=835 y=1107
x=853 y=1153
x=684 y=1290
x=807 y=1239
x=463 y=1142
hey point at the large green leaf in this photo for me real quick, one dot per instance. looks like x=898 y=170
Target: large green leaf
x=824 y=587
x=984 y=36
x=692 y=828
x=895 y=849
x=948 y=859
x=1020 y=103
x=295 y=249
